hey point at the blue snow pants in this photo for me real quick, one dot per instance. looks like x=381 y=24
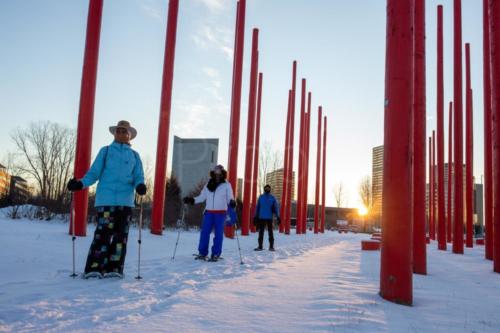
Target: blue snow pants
x=211 y=221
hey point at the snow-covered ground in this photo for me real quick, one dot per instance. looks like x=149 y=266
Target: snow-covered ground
x=312 y=283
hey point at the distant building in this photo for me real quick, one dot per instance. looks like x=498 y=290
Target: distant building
x=275 y=180
x=4 y=181
x=377 y=181
x=192 y=161
x=19 y=190
x=239 y=195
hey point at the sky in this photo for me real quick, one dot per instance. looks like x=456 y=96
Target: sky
x=339 y=46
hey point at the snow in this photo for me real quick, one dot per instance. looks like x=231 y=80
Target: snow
x=312 y=283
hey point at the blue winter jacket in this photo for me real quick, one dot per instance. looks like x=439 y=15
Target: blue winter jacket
x=266 y=206
x=118 y=168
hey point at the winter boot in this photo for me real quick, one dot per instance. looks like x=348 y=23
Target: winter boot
x=271 y=248
x=93 y=275
x=200 y=257
x=258 y=248
x=214 y=258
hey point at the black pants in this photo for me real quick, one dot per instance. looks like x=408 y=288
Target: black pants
x=261 y=225
x=109 y=247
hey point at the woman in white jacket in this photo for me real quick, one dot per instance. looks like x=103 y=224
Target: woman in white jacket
x=217 y=195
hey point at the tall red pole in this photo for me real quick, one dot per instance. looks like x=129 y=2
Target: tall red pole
x=234 y=126
x=323 y=178
x=495 y=94
x=164 y=126
x=290 y=147
x=433 y=187
x=419 y=118
x=284 y=193
x=450 y=174
x=86 y=113
x=256 y=151
x=488 y=172
x=469 y=180
x=317 y=226
x=458 y=227
x=430 y=189
x=301 y=155
x=396 y=253
x=247 y=181
x=306 y=162
x=441 y=220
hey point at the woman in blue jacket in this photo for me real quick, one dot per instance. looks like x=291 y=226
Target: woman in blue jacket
x=118 y=168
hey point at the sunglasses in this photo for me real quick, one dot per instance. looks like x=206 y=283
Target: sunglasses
x=121 y=131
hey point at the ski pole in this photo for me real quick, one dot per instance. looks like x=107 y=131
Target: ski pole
x=73 y=237
x=138 y=277
x=179 y=232
x=238 y=240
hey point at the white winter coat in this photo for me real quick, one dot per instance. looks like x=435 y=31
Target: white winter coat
x=217 y=200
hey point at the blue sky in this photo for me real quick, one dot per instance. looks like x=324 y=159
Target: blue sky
x=339 y=46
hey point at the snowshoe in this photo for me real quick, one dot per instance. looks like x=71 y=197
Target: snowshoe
x=214 y=258
x=258 y=249
x=199 y=257
x=113 y=275
x=92 y=275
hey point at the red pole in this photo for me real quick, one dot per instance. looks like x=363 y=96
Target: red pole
x=433 y=194
x=419 y=118
x=469 y=186
x=301 y=153
x=234 y=125
x=290 y=147
x=283 y=208
x=488 y=172
x=306 y=162
x=164 y=126
x=318 y=164
x=247 y=188
x=86 y=113
x=323 y=179
x=441 y=220
x=495 y=93
x=458 y=228
x=430 y=188
x=396 y=253
x=256 y=155
x=450 y=174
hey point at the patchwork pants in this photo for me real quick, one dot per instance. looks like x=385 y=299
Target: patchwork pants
x=109 y=247
x=212 y=221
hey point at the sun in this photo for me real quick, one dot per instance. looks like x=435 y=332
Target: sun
x=362 y=211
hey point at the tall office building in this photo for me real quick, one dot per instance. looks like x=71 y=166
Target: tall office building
x=275 y=179
x=192 y=161
x=377 y=181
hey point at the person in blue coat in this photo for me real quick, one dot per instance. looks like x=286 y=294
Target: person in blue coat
x=118 y=170
x=267 y=205
x=219 y=208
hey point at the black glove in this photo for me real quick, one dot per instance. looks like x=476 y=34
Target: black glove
x=232 y=204
x=141 y=189
x=188 y=200
x=74 y=185
x=255 y=221
x=278 y=220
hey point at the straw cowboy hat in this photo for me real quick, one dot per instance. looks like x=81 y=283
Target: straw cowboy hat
x=124 y=124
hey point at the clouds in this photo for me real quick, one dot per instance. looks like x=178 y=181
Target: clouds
x=150 y=8
x=213 y=36
x=215 y=5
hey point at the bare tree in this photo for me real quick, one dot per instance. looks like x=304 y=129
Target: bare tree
x=269 y=160
x=47 y=151
x=365 y=192
x=340 y=194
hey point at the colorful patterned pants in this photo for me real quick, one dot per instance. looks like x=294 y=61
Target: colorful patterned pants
x=109 y=247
